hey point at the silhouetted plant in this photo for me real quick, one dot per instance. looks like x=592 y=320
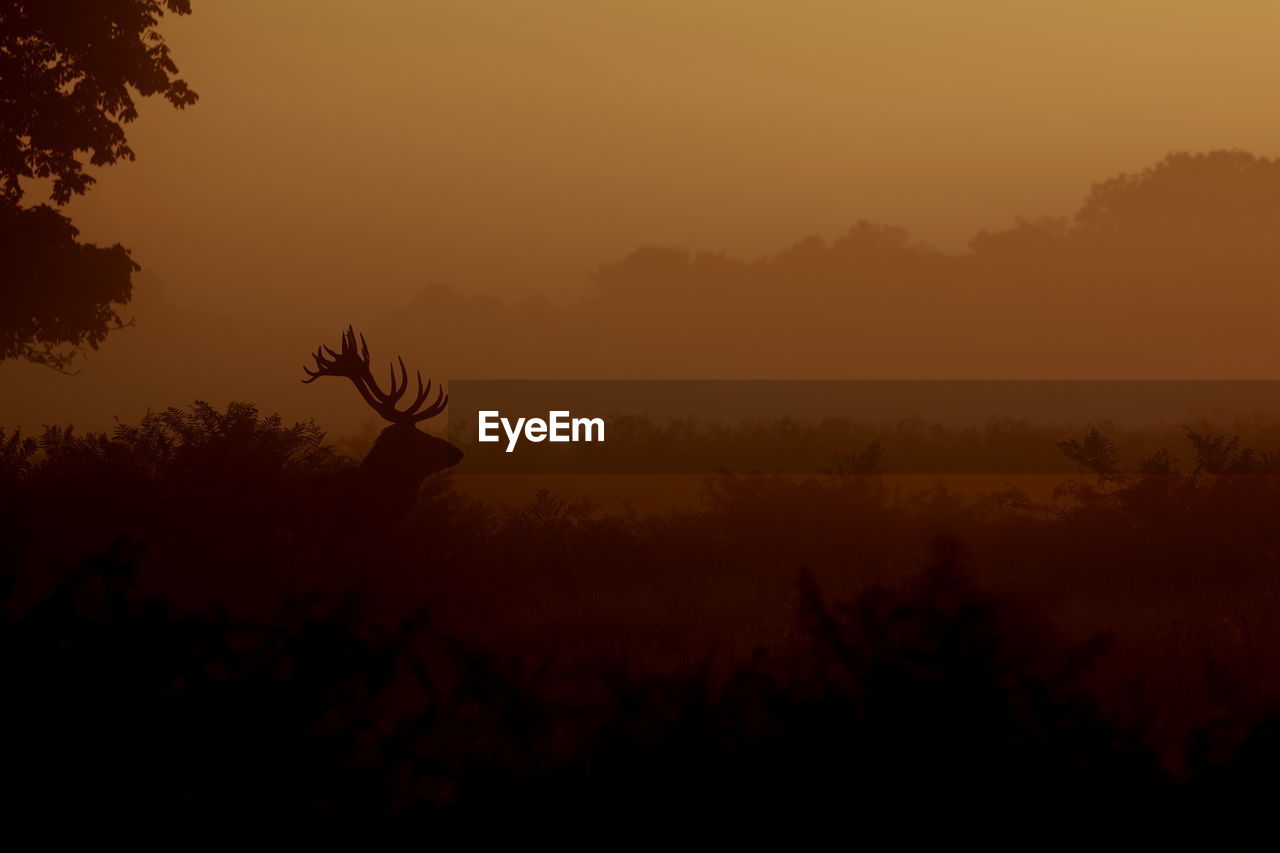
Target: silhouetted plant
x=1158 y=463
x=15 y=454
x=1095 y=453
x=68 y=76
x=146 y=641
x=192 y=442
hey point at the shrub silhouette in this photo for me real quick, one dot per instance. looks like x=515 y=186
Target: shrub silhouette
x=165 y=639
x=933 y=698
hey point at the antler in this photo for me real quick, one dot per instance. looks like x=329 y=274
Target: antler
x=353 y=363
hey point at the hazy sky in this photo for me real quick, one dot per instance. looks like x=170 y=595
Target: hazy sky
x=358 y=150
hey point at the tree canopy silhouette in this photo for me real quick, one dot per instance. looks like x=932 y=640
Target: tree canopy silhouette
x=69 y=71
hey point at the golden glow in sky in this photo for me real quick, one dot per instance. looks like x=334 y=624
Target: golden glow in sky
x=512 y=146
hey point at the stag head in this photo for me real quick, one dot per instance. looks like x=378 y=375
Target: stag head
x=403 y=455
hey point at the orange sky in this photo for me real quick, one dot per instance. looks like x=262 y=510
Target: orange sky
x=512 y=146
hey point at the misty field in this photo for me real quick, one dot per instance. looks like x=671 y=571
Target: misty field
x=182 y=595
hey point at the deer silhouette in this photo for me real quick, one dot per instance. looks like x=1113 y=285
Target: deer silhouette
x=391 y=475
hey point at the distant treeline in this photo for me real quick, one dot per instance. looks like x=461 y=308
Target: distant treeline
x=1166 y=273
x=1157 y=273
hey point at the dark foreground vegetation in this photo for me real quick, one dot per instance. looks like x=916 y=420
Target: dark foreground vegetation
x=198 y=632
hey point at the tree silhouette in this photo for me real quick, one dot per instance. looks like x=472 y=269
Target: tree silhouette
x=58 y=291
x=1214 y=195
x=69 y=70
